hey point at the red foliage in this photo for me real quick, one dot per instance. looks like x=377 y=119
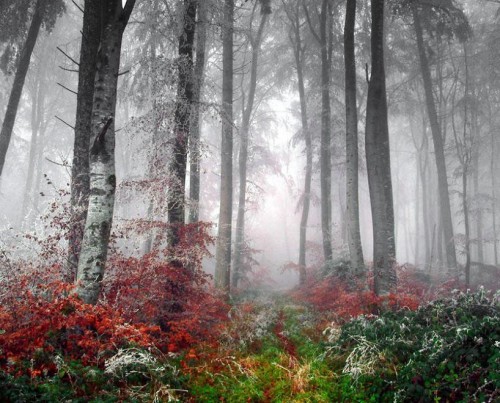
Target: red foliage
x=169 y=287
x=162 y=299
x=333 y=294
x=39 y=322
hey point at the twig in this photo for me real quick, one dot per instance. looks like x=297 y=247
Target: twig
x=61 y=164
x=66 y=88
x=68 y=56
x=123 y=72
x=77 y=6
x=71 y=70
x=66 y=123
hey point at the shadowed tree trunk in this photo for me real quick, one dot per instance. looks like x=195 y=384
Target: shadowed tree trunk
x=176 y=199
x=444 y=197
x=195 y=134
x=243 y=158
x=223 y=252
x=378 y=160
x=352 y=198
x=93 y=254
x=80 y=181
x=19 y=78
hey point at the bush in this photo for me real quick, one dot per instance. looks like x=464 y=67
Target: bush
x=446 y=350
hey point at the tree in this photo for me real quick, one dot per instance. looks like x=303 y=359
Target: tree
x=248 y=110
x=93 y=254
x=195 y=132
x=378 y=160
x=326 y=137
x=182 y=117
x=299 y=56
x=80 y=179
x=352 y=198
x=45 y=12
x=450 y=22
x=223 y=252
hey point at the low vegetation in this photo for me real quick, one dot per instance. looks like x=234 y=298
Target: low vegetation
x=318 y=344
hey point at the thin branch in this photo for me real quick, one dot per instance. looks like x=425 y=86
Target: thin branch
x=70 y=70
x=123 y=73
x=66 y=123
x=68 y=56
x=68 y=89
x=61 y=164
x=77 y=6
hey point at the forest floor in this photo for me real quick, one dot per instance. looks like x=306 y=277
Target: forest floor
x=271 y=347
x=273 y=350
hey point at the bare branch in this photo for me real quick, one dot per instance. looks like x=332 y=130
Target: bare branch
x=70 y=70
x=77 y=6
x=66 y=123
x=68 y=56
x=67 y=89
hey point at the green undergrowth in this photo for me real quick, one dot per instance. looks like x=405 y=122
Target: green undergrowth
x=274 y=350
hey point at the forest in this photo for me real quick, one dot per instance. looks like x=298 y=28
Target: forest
x=249 y=200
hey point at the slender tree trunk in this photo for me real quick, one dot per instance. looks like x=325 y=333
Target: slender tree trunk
x=298 y=52
x=17 y=87
x=325 y=147
x=493 y=158
x=223 y=252
x=378 y=161
x=37 y=107
x=195 y=134
x=93 y=254
x=444 y=197
x=185 y=94
x=352 y=175
x=80 y=180
x=244 y=139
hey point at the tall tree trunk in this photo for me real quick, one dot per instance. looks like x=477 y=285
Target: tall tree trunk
x=176 y=199
x=195 y=134
x=80 y=180
x=223 y=252
x=326 y=141
x=352 y=177
x=244 y=134
x=444 y=197
x=17 y=86
x=93 y=254
x=298 y=52
x=493 y=158
x=378 y=160
x=37 y=108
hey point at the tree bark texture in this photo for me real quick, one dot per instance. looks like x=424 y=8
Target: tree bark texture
x=80 y=180
x=243 y=158
x=223 y=251
x=195 y=134
x=444 y=197
x=352 y=178
x=93 y=254
x=378 y=161
x=19 y=78
x=176 y=199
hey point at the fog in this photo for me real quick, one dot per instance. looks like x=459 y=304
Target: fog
x=465 y=75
